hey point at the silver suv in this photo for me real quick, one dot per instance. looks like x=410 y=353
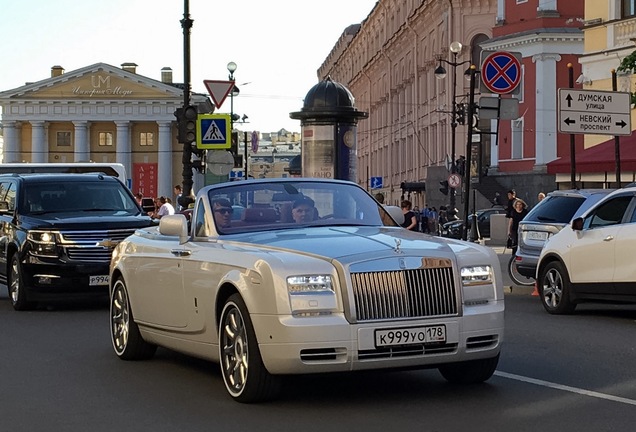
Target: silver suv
x=556 y=210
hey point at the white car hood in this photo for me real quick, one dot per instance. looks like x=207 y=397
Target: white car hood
x=346 y=243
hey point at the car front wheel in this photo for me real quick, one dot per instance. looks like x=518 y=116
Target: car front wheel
x=124 y=332
x=16 y=288
x=554 y=289
x=245 y=376
x=470 y=372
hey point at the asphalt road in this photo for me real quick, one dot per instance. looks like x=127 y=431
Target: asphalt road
x=557 y=373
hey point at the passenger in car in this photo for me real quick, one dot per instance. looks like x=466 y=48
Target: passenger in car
x=303 y=210
x=222 y=209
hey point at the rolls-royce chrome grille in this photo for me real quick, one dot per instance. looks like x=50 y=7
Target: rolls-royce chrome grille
x=404 y=294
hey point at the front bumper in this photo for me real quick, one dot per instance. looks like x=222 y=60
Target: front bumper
x=63 y=280
x=292 y=345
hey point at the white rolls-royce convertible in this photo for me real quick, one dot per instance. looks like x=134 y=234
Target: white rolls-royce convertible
x=288 y=276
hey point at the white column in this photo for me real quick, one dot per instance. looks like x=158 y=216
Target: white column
x=124 y=147
x=546 y=88
x=82 y=148
x=39 y=149
x=11 y=150
x=164 y=158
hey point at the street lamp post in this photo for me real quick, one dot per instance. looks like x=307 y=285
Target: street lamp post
x=473 y=233
x=440 y=73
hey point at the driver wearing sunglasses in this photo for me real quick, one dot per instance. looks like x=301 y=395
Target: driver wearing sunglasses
x=222 y=212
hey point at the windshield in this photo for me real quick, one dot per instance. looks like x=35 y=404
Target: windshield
x=78 y=198
x=250 y=206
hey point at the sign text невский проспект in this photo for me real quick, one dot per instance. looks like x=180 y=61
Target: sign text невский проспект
x=594 y=112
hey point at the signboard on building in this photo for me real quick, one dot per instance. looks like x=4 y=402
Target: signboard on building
x=594 y=112
x=144 y=179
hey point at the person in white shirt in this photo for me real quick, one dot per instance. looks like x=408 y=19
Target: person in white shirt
x=165 y=209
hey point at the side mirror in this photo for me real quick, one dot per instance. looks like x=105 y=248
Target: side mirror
x=577 y=224
x=174 y=225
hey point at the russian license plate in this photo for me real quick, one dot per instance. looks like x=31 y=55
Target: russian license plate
x=537 y=235
x=410 y=335
x=98 y=280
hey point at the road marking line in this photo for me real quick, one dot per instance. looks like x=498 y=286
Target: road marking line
x=566 y=388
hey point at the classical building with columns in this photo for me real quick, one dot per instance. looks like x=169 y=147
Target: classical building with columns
x=100 y=113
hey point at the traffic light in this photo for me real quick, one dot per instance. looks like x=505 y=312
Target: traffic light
x=444 y=188
x=187 y=124
x=460 y=113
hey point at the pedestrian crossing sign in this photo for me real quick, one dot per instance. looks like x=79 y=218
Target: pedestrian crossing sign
x=213 y=131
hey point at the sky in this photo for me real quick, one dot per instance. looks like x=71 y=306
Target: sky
x=278 y=45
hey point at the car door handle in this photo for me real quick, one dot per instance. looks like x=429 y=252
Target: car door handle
x=180 y=252
x=609 y=238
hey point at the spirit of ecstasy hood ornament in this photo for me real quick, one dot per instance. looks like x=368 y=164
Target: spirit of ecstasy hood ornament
x=397 y=249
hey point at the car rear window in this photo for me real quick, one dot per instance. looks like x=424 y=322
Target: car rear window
x=558 y=209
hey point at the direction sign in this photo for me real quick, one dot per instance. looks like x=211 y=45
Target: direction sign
x=500 y=72
x=594 y=112
x=376 y=183
x=213 y=131
x=218 y=90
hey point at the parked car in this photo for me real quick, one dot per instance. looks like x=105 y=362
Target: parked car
x=58 y=234
x=593 y=259
x=315 y=277
x=547 y=218
x=454 y=229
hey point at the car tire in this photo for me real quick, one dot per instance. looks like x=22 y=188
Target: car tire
x=124 y=331
x=244 y=374
x=470 y=372
x=15 y=286
x=554 y=289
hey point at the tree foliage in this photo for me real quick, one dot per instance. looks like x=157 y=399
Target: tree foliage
x=628 y=64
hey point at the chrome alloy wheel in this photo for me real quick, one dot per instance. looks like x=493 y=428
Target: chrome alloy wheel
x=235 y=349
x=554 y=289
x=552 y=292
x=119 y=317
x=14 y=286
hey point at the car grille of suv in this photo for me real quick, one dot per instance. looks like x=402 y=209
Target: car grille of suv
x=404 y=294
x=92 y=246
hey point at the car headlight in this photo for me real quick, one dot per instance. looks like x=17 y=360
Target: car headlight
x=478 y=284
x=311 y=295
x=43 y=243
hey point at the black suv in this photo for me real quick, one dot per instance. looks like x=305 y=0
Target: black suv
x=58 y=234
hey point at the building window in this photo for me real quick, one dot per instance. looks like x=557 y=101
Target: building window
x=105 y=138
x=63 y=139
x=628 y=8
x=522 y=1
x=147 y=139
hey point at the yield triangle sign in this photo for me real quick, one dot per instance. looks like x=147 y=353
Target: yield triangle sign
x=218 y=90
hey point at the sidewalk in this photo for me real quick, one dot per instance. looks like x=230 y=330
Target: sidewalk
x=504 y=257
